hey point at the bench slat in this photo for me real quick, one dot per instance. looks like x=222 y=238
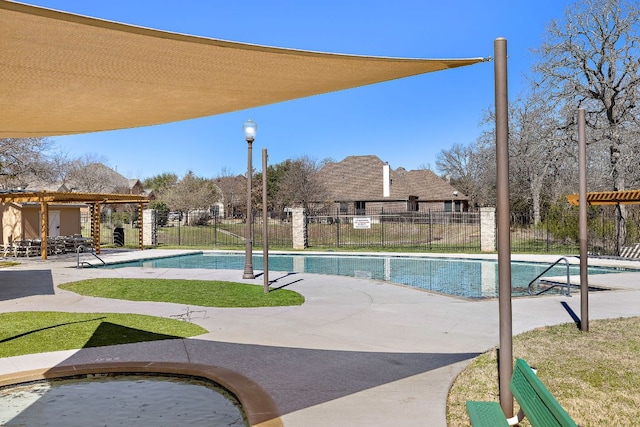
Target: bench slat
x=488 y=414
x=538 y=404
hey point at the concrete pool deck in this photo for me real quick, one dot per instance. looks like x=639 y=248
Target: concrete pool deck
x=359 y=352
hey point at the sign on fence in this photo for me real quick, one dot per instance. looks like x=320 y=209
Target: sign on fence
x=361 y=223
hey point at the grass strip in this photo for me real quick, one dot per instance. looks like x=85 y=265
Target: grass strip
x=594 y=375
x=204 y=293
x=28 y=332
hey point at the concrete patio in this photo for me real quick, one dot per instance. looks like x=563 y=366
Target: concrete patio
x=358 y=352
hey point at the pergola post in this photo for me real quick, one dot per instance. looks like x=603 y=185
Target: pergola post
x=95 y=227
x=140 y=230
x=44 y=221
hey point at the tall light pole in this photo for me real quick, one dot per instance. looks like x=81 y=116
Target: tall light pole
x=249 y=127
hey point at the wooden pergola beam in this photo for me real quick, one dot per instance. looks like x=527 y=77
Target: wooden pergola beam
x=608 y=197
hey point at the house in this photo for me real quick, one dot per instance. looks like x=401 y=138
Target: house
x=360 y=183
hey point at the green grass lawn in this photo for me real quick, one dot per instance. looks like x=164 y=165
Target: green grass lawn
x=594 y=375
x=28 y=332
x=204 y=293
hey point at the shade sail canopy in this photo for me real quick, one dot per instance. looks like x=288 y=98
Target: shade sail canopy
x=607 y=197
x=66 y=74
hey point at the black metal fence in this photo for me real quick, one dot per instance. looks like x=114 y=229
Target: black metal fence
x=429 y=231
x=436 y=231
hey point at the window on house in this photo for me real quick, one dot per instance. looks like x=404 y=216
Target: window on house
x=453 y=206
x=412 y=204
x=360 y=208
x=344 y=208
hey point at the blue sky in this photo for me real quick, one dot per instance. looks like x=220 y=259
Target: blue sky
x=406 y=122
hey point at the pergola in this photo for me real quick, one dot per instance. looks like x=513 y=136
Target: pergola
x=607 y=197
x=95 y=200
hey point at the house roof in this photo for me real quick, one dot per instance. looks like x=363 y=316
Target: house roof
x=425 y=184
x=65 y=74
x=99 y=178
x=361 y=178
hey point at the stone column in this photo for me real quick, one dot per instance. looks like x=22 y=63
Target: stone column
x=149 y=228
x=299 y=225
x=488 y=229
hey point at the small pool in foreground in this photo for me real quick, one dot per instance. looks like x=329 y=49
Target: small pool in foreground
x=468 y=278
x=120 y=400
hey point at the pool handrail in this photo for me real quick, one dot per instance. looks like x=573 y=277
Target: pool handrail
x=568 y=284
x=82 y=248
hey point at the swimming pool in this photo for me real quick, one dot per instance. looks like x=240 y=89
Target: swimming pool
x=469 y=278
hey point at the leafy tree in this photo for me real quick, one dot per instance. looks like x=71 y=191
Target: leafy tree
x=161 y=183
x=162 y=211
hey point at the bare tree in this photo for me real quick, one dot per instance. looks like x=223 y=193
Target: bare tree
x=537 y=148
x=192 y=193
x=299 y=184
x=591 y=61
x=22 y=160
x=232 y=188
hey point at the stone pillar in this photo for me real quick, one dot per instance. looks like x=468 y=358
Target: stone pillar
x=149 y=228
x=488 y=229
x=299 y=225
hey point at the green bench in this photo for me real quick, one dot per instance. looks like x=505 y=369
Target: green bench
x=536 y=403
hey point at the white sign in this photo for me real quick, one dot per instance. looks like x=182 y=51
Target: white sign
x=361 y=222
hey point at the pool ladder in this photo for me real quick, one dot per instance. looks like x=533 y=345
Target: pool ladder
x=81 y=264
x=552 y=284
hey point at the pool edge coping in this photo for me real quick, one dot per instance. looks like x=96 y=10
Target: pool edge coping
x=259 y=407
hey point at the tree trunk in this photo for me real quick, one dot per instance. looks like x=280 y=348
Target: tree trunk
x=618 y=185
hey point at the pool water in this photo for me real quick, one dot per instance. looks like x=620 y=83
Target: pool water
x=120 y=400
x=469 y=278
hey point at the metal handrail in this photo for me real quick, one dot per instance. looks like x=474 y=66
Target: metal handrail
x=530 y=287
x=82 y=248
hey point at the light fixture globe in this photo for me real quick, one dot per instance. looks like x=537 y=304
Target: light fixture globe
x=249 y=128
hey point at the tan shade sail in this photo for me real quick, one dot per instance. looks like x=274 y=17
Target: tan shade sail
x=65 y=74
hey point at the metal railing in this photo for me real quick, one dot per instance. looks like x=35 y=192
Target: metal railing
x=552 y=284
x=83 y=249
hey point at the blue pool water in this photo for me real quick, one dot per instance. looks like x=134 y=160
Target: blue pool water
x=469 y=278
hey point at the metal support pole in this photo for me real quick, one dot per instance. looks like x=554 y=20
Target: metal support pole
x=265 y=225
x=504 y=242
x=248 y=247
x=582 y=194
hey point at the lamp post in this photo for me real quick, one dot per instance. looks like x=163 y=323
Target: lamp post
x=249 y=127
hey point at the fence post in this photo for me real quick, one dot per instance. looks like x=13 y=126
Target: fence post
x=299 y=228
x=382 y=227
x=488 y=229
x=338 y=227
x=430 y=230
x=149 y=227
